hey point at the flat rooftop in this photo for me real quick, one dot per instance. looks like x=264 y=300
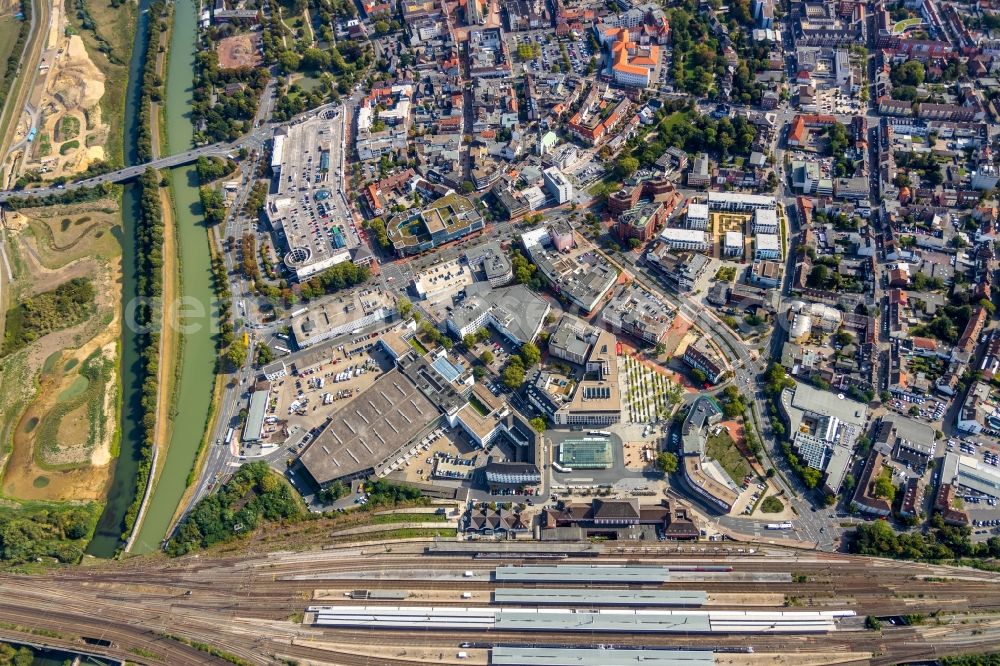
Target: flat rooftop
x=594 y=597
x=542 y=656
x=569 y=573
x=586 y=453
x=370 y=431
x=306 y=192
x=334 y=315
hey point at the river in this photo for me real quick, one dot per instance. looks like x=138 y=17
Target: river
x=197 y=376
x=121 y=492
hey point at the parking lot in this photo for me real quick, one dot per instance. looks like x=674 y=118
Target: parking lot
x=305 y=400
x=308 y=208
x=577 y=52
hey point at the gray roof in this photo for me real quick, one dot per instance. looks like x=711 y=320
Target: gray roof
x=809 y=399
x=517 y=308
x=701 y=414
x=590 y=597
x=369 y=430
x=512 y=620
x=518 y=656
x=255 y=416
x=569 y=339
x=584 y=574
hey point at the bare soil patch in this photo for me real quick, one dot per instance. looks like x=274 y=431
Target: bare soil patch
x=240 y=51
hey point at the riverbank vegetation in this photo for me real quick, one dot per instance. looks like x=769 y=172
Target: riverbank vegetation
x=151 y=88
x=213 y=168
x=149 y=275
x=67 y=305
x=76 y=195
x=35 y=531
x=14 y=56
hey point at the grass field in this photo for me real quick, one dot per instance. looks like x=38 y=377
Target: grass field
x=9 y=27
x=405 y=533
x=116 y=27
x=723 y=449
x=67 y=233
x=68 y=128
x=906 y=23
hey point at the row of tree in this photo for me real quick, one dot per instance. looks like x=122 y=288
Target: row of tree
x=149 y=278
x=14 y=60
x=151 y=87
x=941 y=542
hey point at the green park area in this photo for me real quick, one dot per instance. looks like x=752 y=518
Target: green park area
x=904 y=24
x=722 y=449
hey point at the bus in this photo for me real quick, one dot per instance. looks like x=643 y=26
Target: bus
x=283 y=350
x=779 y=526
x=599 y=433
x=229 y=436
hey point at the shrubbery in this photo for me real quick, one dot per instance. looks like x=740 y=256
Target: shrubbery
x=149 y=278
x=254 y=495
x=36 y=531
x=67 y=305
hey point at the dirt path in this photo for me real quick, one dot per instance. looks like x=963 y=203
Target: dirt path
x=168 y=336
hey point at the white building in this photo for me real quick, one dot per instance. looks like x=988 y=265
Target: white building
x=767 y=246
x=697 y=216
x=735 y=201
x=558 y=185
x=685 y=239
x=985 y=178
x=765 y=221
x=733 y=246
x=534 y=196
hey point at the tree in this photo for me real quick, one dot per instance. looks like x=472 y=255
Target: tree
x=469 y=341
x=666 y=463
x=513 y=376
x=884 y=488
x=771 y=505
x=811 y=477
x=538 y=423
x=626 y=167
x=404 y=306
x=237 y=354
x=486 y=357
x=698 y=375
x=660 y=349
x=478 y=373
x=910 y=73
x=530 y=354
x=634 y=243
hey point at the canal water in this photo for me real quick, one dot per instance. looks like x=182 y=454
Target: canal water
x=121 y=492
x=199 y=323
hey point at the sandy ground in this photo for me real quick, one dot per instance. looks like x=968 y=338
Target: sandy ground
x=83 y=471
x=400 y=653
x=74 y=86
x=239 y=51
x=790 y=659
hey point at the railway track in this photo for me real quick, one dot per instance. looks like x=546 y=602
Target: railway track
x=243 y=605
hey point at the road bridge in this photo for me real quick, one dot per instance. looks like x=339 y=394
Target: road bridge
x=127 y=173
x=254 y=139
